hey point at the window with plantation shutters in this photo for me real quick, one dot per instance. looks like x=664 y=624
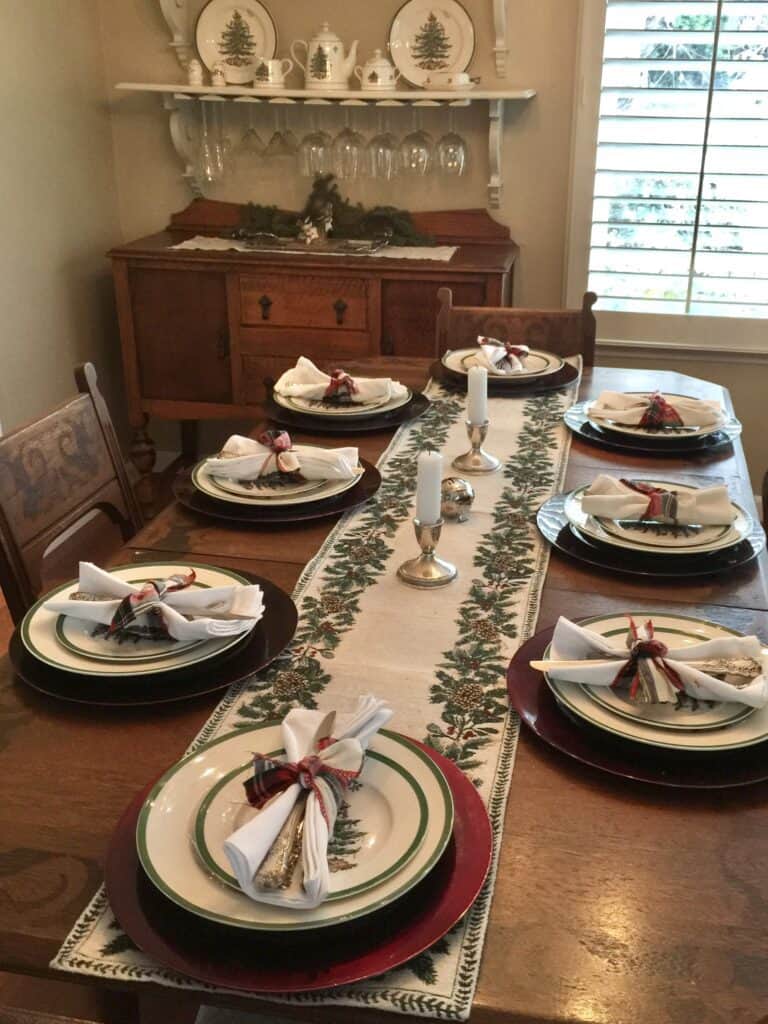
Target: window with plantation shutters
x=680 y=198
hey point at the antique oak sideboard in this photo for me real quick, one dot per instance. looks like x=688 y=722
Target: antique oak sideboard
x=201 y=329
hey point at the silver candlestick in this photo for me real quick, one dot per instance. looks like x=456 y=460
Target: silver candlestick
x=476 y=460
x=427 y=570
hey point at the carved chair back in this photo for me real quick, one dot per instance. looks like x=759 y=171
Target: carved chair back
x=566 y=332
x=56 y=476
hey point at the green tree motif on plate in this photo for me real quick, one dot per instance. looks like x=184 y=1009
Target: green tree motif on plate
x=431 y=45
x=237 y=45
x=470 y=679
x=347 y=838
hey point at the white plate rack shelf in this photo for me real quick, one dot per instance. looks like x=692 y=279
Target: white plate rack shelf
x=181 y=103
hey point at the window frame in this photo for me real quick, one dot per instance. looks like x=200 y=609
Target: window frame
x=688 y=332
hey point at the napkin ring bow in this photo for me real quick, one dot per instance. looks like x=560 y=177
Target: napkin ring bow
x=660 y=414
x=518 y=351
x=146 y=601
x=645 y=648
x=279 y=442
x=662 y=504
x=272 y=777
x=340 y=385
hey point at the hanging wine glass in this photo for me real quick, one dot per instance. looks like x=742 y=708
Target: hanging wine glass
x=452 y=151
x=250 y=149
x=381 y=153
x=348 y=147
x=209 y=160
x=282 y=142
x=315 y=151
x=416 y=150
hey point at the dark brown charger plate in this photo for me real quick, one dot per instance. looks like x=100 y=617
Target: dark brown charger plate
x=541 y=712
x=188 y=495
x=554 y=526
x=270 y=636
x=249 y=961
x=415 y=407
x=509 y=388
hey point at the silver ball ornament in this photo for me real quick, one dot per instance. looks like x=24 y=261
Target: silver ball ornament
x=457 y=496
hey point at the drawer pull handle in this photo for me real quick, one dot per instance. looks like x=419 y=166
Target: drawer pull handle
x=265 y=302
x=341 y=308
x=222 y=346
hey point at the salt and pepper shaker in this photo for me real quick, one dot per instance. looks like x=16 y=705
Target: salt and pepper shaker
x=477 y=461
x=194 y=72
x=427 y=569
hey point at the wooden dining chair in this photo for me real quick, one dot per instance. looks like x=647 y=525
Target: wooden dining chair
x=62 y=479
x=567 y=332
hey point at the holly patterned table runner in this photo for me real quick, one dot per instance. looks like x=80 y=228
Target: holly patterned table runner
x=438 y=656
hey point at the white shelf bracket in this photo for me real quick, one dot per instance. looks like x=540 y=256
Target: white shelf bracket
x=500 y=48
x=495 y=134
x=176 y=16
x=182 y=122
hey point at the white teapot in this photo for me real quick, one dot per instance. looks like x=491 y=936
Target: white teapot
x=377 y=73
x=326 y=65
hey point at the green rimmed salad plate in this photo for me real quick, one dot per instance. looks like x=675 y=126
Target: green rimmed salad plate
x=406 y=821
x=67 y=643
x=713 y=726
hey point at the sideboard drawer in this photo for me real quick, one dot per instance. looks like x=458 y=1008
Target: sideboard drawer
x=283 y=300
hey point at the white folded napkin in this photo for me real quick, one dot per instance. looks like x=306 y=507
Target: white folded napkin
x=630 y=409
x=498 y=357
x=244 y=458
x=693 y=664
x=215 y=611
x=305 y=380
x=609 y=498
x=248 y=846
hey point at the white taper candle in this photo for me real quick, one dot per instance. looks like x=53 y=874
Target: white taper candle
x=429 y=477
x=477 y=395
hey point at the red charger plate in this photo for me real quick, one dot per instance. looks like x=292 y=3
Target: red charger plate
x=538 y=708
x=304 y=961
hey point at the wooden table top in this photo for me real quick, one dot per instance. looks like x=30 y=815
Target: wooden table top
x=615 y=903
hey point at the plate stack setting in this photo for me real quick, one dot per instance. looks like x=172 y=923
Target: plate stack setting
x=668 y=699
x=350 y=847
x=270 y=480
x=150 y=633
x=512 y=369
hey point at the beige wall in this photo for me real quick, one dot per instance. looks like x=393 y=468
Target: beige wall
x=59 y=204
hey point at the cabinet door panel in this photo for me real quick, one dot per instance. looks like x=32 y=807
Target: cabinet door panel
x=409 y=311
x=182 y=334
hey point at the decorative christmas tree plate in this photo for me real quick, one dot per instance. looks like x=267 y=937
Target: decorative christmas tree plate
x=237 y=36
x=426 y=37
x=275 y=485
x=585 y=743
x=354 y=410
x=172 y=864
x=69 y=646
x=297 y=962
x=536 y=364
x=665 y=435
x=657 y=538
x=210 y=485
x=380 y=826
x=730 y=727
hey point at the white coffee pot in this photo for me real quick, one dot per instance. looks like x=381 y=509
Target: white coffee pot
x=327 y=67
x=377 y=73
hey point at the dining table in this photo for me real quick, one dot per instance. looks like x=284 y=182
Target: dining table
x=616 y=902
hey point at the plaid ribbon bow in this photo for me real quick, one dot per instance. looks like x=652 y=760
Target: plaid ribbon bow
x=279 y=442
x=272 y=777
x=648 y=649
x=340 y=385
x=147 y=601
x=660 y=414
x=662 y=504
x=510 y=351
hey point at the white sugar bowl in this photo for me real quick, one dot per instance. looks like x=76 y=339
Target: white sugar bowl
x=377 y=73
